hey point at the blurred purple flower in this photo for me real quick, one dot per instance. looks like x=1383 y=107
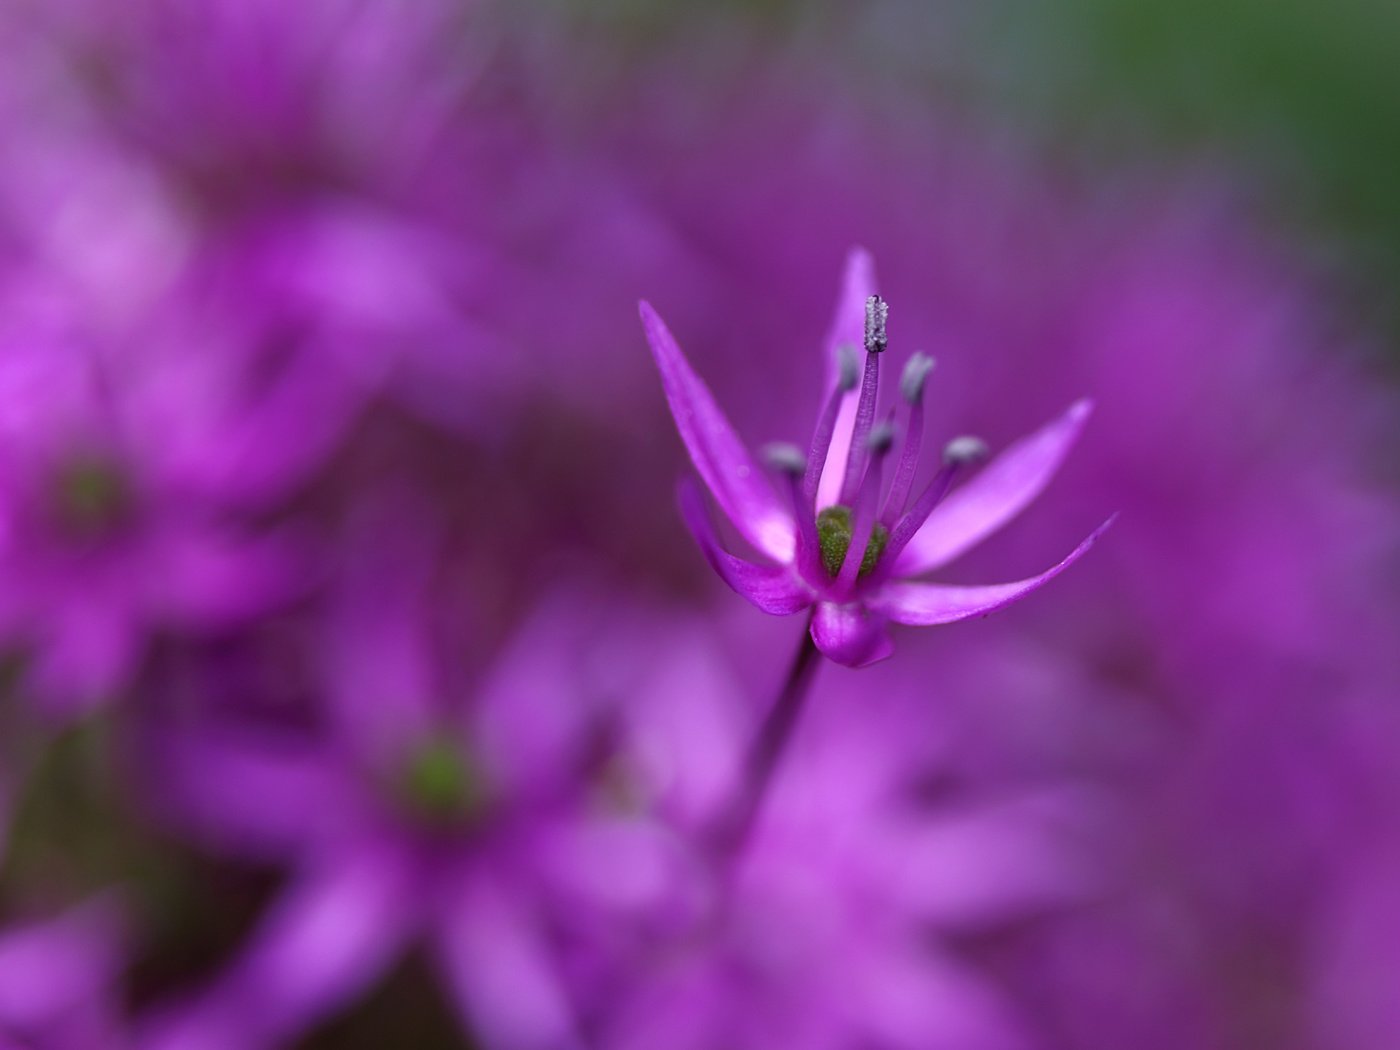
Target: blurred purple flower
x=102 y=539
x=417 y=814
x=832 y=927
x=842 y=560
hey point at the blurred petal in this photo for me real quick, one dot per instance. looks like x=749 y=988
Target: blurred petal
x=498 y=968
x=965 y=867
x=325 y=941
x=738 y=484
x=210 y=578
x=50 y=971
x=376 y=657
x=608 y=866
x=994 y=496
x=850 y=635
x=250 y=792
x=88 y=652
x=529 y=733
x=773 y=588
x=847 y=330
x=913 y=995
x=925 y=604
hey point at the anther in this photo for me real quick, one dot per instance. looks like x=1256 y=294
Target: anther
x=964 y=450
x=877 y=312
x=911 y=383
x=848 y=368
x=785 y=458
x=880 y=439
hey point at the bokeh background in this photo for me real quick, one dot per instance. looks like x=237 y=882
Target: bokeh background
x=363 y=688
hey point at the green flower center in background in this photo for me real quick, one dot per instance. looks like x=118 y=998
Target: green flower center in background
x=91 y=496
x=834 y=528
x=442 y=786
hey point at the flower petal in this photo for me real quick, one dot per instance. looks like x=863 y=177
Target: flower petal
x=250 y=792
x=333 y=933
x=772 y=588
x=847 y=330
x=337 y=927
x=493 y=951
x=925 y=604
x=996 y=495
x=850 y=635
x=53 y=971
x=738 y=484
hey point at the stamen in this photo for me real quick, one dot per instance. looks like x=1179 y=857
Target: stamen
x=863 y=512
x=964 y=450
x=958 y=453
x=916 y=372
x=826 y=424
x=881 y=437
x=787 y=460
x=876 y=314
x=911 y=386
x=847 y=368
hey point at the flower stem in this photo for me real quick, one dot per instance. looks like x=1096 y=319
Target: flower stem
x=736 y=822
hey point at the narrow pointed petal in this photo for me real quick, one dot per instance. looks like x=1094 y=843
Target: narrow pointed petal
x=994 y=496
x=54 y=970
x=772 y=588
x=334 y=931
x=739 y=486
x=493 y=949
x=847 y=329
x=217 y=786
x=848 y=323
x=925 y=604
x=850 y=634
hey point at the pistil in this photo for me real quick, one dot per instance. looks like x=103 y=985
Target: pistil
x=876 y=314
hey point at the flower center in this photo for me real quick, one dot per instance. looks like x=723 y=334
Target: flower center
x=834 y=528
x=90 y=497
x=441 y=786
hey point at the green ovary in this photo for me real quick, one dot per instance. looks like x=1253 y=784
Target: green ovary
x=91 y=496
x=834 y=528
x=441 y=785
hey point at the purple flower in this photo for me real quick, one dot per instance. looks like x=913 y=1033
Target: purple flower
x=832 y=928
x=105 y=536
x=416 y=812
x=849 y=560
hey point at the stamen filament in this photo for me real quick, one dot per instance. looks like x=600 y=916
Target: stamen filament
x=787 y=460
x=876 y=312
x=904 y=472
x=911 y=385
x=863 y=510
x=957 y=454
